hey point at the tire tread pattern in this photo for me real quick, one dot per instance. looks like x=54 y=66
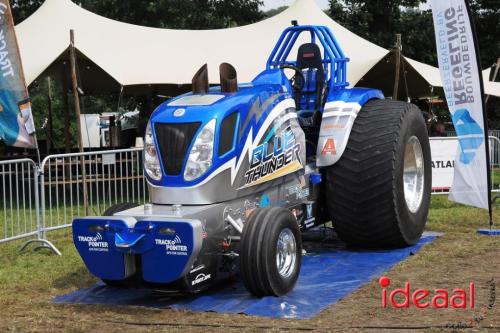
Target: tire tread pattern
x=360 y=186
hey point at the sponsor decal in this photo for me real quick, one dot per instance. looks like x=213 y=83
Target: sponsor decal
x=196 y=269
x=423 y=298
x=264 y=201
x=200 y=278
x=249 y=207
x=96 y=243
x=173 y=246
x=442 y=164
x=179 y=112
x=329 y=147
x=326 y=127
x=282 y=160
x=309 y=215
x=309 y=210
x=300 y=191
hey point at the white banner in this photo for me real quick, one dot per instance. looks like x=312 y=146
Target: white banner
x=443 y=152
x=462 y=86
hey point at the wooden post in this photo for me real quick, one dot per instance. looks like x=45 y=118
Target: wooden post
x=495 y=73
x=398 y=67
x=76 y=96
x=50 y=122
x=67 y=134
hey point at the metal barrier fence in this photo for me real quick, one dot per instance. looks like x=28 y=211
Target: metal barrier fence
x=19 y=200
x=494 y=165
x=36 y=200
x=84 y=184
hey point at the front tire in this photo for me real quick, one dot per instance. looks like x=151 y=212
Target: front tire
x=378 y=193
x=119 y=208
x=271 y=252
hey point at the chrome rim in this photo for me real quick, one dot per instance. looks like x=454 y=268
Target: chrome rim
x=286 y=253
x=413 y=174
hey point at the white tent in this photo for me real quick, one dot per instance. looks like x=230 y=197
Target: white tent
x=135 y=55
x=432 y=76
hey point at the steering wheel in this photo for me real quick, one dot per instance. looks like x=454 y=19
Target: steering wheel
x=298 y=80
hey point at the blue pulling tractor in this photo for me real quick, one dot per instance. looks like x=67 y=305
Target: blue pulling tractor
x=237 y=172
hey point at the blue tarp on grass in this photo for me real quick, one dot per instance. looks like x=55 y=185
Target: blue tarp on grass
x=330 y=272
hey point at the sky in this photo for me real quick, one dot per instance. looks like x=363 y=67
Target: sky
x=270 y=4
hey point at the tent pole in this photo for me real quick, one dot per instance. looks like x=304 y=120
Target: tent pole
x=65 y=89
x=49 y=104
x=495 y=73
x=398 y=67
x=76 y=95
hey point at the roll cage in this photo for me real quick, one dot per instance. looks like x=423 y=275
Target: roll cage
x=334 y=60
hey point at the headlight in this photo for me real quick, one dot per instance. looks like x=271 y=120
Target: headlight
x=151 y=161
x=201 y=155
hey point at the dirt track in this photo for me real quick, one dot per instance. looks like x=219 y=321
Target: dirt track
x=452 y=261
x=361 y=309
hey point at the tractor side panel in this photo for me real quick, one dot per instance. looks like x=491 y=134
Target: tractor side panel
x=340 y=112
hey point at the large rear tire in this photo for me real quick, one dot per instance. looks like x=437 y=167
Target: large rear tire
x=378 y=193
x=271 y=252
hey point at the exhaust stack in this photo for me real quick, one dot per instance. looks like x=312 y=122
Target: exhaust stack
x=228 y=78
x=200 y=80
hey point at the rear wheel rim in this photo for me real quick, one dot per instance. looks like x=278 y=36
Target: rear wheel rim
x=413 y=174
x=286 y=253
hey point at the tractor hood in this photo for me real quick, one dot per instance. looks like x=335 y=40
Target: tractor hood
x=217 y=105
x=234 y=121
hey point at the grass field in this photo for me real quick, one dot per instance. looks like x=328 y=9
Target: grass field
x=28 y=281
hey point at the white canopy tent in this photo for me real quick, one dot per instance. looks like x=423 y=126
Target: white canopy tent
x=135 y=55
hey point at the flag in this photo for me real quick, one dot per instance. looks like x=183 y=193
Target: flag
x=16 y=121
x=460 y=70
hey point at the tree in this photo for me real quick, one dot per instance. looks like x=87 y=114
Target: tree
x=275 y=11
x=379 y=21
x=418 y=44
x=179 y=14
x=21 y=9
x=486 y=14
x=376 y=20
x=175 y=14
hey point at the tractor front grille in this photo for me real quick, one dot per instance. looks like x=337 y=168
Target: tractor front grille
x=173 y=143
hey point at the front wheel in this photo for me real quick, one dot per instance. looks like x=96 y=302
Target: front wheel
x=271 y=252
x=378 y=193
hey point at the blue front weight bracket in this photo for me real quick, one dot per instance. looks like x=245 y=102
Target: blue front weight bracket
x=108 y=246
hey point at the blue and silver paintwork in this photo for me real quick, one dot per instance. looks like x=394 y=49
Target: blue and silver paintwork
x=266 y=112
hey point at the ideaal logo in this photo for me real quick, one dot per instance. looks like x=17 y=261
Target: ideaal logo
x=423 y=298
x=283 y=159
x=94 y=243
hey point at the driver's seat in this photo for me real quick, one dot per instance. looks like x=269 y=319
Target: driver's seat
x=309 y=60
x=310 y=100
